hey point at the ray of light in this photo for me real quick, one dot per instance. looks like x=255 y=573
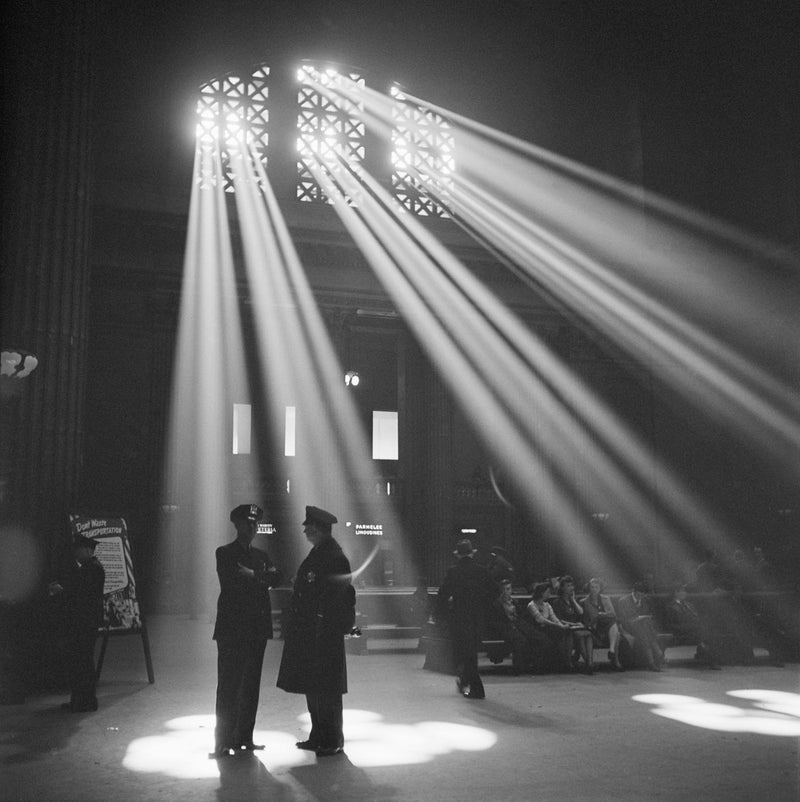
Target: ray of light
x=209 y=376
x=475 y=341
x=650 y=282
x=697 y=300
x=297 y=355
x=678 y=294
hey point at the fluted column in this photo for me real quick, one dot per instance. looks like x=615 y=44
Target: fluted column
x=438 y=491
x=46 y=220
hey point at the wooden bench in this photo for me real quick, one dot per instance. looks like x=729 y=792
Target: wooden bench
x=439 y=652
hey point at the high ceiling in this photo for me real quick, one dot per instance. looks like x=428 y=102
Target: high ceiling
x=570 y=76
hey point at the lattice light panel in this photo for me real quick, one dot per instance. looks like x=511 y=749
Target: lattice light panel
x=328 y=130
x=422 y=145
x=232 y=118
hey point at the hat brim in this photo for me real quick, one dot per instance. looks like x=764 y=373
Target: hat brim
x=85 y=541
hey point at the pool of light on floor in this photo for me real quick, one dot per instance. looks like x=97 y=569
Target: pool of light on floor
x=181 y=748
x=768 y=713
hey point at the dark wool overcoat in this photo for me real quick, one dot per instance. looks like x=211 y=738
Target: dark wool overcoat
x=244 y=611
x=322 y=602
x=465 y=596
x=83 y=595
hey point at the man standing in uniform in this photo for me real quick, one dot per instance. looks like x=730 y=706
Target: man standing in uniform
x=466 y=593
x=82 y=592
x=322 y=612
x=244 y=624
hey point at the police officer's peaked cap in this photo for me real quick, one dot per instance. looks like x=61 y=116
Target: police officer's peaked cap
x=314 y=515
x=82 y=540
x=247 y=512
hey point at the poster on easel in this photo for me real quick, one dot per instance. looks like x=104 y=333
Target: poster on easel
x=122 y=613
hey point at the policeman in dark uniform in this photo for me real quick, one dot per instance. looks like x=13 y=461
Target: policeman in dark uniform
x=322 y=612
x=244 y=624
x=81 y=590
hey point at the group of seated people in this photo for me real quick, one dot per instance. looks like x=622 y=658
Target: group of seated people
x=556 y=630
x=561 y=631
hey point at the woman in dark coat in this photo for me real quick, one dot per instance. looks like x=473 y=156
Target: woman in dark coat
x=601 y=618
x=322 y=611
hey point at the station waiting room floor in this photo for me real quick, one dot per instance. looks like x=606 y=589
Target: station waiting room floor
x=685 y=734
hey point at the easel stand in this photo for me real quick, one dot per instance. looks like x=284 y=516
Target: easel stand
x=107 y=633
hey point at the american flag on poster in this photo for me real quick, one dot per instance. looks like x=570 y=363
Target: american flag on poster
x=114 y=552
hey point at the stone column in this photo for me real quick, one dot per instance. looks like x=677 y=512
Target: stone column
x=46 y=229
x=438 y=478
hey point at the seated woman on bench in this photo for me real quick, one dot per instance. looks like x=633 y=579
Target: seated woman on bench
x=568 y=609
x=528 y=644
x=557 y=632
x=600 y=617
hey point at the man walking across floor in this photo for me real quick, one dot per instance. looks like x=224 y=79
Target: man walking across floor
x=465 y=595
x=322 y=611
x=243 y=627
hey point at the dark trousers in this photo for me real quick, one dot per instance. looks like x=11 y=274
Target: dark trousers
x=645 y=642
x=326 y=720
x=238 y=683
x=82 y=672
x=465 y=655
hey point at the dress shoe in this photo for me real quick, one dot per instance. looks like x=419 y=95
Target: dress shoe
x=251 y=747
x=327 y=751
x=310 y=745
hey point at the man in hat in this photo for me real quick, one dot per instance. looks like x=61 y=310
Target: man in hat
x=466 y=593
x=81 y=590
x=322 y=611
x=243 y=627
x=499 y=565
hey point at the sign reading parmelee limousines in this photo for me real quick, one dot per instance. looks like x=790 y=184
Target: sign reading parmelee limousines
x=114 y=552
x=371 y=530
